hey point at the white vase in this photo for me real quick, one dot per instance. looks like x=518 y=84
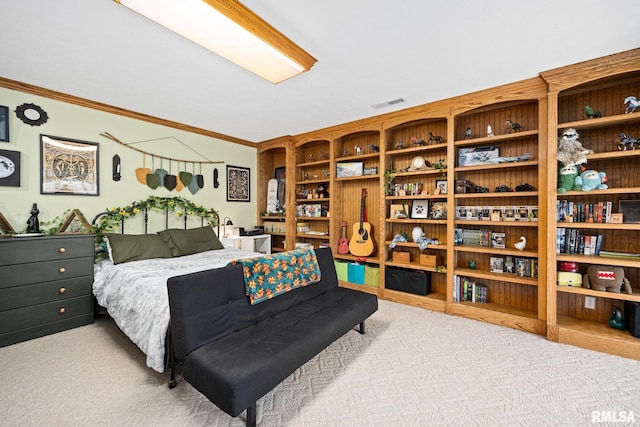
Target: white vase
x=416 y=233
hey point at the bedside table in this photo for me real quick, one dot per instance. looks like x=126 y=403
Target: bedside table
x=259 y=243
x=46 y=285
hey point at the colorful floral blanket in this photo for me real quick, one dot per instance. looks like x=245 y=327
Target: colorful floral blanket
x=268 y=276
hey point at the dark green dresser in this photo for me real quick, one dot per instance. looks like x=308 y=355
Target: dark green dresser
x=45 y=285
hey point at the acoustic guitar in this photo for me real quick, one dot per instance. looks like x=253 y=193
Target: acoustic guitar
x=343 y=244
x=361 y=243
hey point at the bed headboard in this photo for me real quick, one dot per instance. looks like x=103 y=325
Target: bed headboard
x=113 y=220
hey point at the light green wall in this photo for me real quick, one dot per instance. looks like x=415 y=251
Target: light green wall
x=81 y=123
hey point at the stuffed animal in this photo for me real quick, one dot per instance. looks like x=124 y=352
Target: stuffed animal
x=591 y=180
x=570 y=150
x=322 y=192
x=606 y=278
x=566 y=178
x=439 y=210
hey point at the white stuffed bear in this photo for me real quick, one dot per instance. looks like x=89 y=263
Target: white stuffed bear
x=570 y=150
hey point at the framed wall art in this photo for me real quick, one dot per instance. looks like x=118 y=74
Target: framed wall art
x=420 y=209
x=4 y=123
x=238 y=184
x=68 y=166
x=9 y=168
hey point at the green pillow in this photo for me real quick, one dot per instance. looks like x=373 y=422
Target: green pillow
x=135 y=247
x=192 y=241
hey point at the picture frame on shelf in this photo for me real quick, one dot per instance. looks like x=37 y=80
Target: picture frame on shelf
x=238 y=184
x=420 y=209
x=442 y=186
x=4 y=123
x=399 y=211
x=68 y=166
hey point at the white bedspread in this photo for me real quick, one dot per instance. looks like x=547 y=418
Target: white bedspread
x=135 y=294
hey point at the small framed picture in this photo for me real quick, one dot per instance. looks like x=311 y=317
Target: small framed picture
x=617 y=218
x=420 y=209
x=441 y=187
x=4 y=124
x=399 y=211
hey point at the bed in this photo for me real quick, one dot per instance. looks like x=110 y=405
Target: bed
x=131 y=283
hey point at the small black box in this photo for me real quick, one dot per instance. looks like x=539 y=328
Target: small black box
x=632 y=316
x=414 y=282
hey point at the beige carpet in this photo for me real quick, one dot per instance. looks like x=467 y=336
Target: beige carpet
x=414 y=367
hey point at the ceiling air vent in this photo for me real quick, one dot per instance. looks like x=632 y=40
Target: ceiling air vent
x=388 y=103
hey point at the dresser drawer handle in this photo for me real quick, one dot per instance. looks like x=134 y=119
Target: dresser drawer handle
x=62 y=270
x=62 y=250
x=62 y=310
x=62 y=290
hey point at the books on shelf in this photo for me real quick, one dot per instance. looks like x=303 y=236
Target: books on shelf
x=570 y=211
x=466 y=289
x=572 y=241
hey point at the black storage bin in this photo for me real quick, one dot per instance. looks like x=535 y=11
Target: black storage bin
x=632 y=315
x=414 y=282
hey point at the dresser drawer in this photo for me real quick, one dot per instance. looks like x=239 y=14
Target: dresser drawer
x=22 y=296
x=35 y=315
x=25 y=274
x=27 y=250
x=44 y=329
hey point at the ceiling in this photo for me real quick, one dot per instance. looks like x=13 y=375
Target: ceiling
x=369 y=52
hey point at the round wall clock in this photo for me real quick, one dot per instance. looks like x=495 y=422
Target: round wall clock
x=31 y=114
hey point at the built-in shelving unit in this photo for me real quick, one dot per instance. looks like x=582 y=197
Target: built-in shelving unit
x=603 y=85
x=409 y=156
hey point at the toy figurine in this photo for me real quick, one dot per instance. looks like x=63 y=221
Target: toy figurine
x=467 y=133
x=570 y=150
x=418 y=142
x=399 y=145
x=374 y=148
x=489 y=130
x=358 y=150
x=591 y=113
x=591 y=180
x=434 y=138
x=512 y=126
x=627 y=142
x=633 y=104
x=33 y=225
x=616 y=321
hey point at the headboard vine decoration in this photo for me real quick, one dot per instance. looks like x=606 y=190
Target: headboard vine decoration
x=113 y=218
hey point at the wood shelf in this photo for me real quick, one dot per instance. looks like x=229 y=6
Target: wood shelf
x=313 y=181
x=501 y=277
x=635 y=296
x=440 y=247
x=616 y=120
x=417 y=149
x=597 y=259
x=357 y=178
x=353 y=258
x=600 y=225
x=419 y=172
x=358 y=287
x=497 y=223
x=597 y=336
x=523 y=164
x=496 y=194
x=496 y=251
x=497 y=138
x=322 y=162
x=416 y=197
x=416 y=221
x=416 y=266
x=432 y=301
x=610 y=191
x=312 y=236
x=500 y=315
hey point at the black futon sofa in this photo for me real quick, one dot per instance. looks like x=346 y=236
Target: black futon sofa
x=234 y=352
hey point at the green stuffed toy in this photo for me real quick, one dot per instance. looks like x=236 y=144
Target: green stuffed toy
x=591 y=180
x=566 y=178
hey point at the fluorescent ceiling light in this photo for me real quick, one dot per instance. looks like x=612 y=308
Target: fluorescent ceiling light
x=231 y=30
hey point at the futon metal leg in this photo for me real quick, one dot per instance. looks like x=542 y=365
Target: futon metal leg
x=251 y=415
x=361 y=330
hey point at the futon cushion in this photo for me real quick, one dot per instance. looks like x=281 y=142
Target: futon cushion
x=191 y=241
x=135 y=247
x=237 y=369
